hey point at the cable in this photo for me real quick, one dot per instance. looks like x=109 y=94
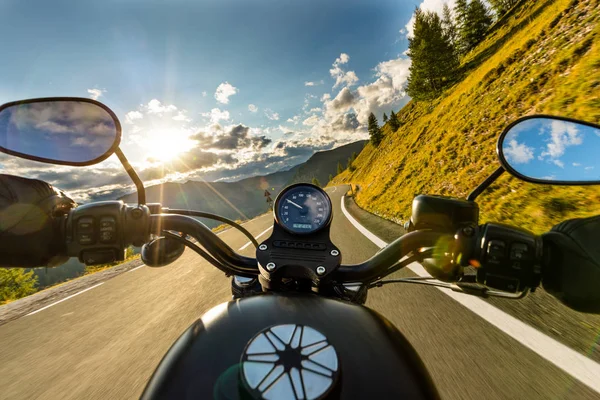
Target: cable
x=213 y=217
x=197 y=249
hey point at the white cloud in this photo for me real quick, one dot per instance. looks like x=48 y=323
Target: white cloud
x=558 y=163
x=576 y=164
x=326 y=96
x=310 y=121
x=217 y=115
x=316 y=109
x=252 y=108
x=563 y=134
x=342 y=77
x=295 y=119
x=589 y=168
x=156 y=107
x=518 y=153
x=273 y=116
x=314 y=83
x=131 y=116
x=96 y=93
x=426 y=5
x=204 y=94
x=224 y=92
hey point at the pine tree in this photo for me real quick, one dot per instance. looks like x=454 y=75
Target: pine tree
x=316 y=182
x=340 y=168
x=374 y=130
x=502 y=6
x=330 y=177
x=477 y=22
x=351 y=166
x=450 y=29
x=434 y=62
x=385 y=118
x=461 y=9
x=394 y=123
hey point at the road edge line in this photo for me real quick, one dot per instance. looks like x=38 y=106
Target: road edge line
x=66 y=298
x=580 y=367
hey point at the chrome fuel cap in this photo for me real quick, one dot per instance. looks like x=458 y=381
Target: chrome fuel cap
x=289 y=362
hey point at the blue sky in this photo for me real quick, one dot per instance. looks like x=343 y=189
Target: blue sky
x=274 y=80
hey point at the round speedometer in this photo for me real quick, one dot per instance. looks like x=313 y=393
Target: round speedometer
x=303 y=208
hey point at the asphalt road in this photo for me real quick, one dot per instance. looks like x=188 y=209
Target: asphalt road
x=105 y=343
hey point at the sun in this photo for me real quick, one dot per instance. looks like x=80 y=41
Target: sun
x=166 y=145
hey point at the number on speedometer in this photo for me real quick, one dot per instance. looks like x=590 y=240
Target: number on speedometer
x=302 y=209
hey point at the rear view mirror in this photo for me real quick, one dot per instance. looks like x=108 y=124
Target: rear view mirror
x=63 y=130
x=553 y=150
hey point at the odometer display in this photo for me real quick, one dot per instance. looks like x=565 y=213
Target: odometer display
x=303 y=209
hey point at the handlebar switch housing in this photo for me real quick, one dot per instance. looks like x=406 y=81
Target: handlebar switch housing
x=99 y=233
x=509 y=258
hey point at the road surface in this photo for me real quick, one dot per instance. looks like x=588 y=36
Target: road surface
x=104 y=343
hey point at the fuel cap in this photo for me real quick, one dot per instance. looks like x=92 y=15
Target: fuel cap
x=289 y=362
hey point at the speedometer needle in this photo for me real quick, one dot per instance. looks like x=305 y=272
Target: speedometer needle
x=299 y=206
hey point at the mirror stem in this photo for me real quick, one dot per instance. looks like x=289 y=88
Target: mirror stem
x=141 y=192
x=485 y=184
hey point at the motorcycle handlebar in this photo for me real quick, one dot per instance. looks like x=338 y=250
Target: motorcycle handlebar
x=237 y=264
x=373 y=268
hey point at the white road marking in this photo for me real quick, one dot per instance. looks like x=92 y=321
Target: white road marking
x=66 y=298
x=259 y=235
x=577 y=365
x=131 y=270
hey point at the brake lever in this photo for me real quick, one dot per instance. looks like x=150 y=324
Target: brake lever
x=473 y=289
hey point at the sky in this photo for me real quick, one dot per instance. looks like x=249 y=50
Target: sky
x=553 y=150
x=210 y=89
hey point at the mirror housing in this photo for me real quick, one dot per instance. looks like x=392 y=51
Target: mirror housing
x=59 y=130
x=551 y=150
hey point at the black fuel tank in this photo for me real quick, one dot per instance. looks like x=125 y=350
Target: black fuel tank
x=374 y=360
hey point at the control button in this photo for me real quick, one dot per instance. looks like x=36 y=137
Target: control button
x=94 y=257
x=519 y=252
x=108 y=230
x=496 y=251
x=84 y=238
x=85 y=230
x=502 y=283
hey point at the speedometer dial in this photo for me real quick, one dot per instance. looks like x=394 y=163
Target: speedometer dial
x=303 y=208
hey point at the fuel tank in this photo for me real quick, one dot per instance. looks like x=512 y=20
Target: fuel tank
x=299 y=346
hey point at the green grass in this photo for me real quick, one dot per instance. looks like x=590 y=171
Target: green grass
x=543 y=58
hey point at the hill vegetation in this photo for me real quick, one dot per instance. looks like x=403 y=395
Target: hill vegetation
x=541 y=57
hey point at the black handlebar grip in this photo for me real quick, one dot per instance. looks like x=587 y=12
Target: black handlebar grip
x=571 y=263
x=32 y=213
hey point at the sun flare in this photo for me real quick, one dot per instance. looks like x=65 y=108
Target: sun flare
x=167 y=145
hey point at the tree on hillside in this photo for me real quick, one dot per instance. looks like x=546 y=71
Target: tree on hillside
x=340 y=168
x=449 y=26
x=434 y=62
x=330 y=177
x=16 y=283
x=385 y=118
x=316 y=182
x=394 y=123
x=351 y=166
x=478 y=21
x=374 y=130
x=502 y=6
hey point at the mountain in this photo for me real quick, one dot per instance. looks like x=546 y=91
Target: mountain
x=245 y=199
x=541 y=58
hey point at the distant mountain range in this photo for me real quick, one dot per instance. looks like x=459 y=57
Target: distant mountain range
x=245 y=199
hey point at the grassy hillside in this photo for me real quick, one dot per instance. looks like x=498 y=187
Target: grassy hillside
x=324 y=163
x=542 y=58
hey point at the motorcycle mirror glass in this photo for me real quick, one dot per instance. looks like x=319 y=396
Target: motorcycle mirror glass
x=61 y=130
x=551 y=150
